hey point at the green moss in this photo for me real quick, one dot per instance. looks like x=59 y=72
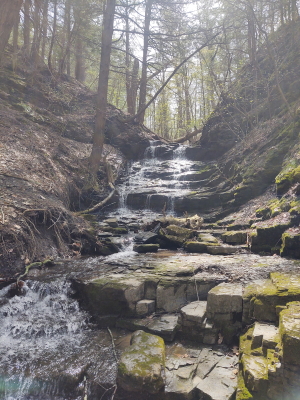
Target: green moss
x=242 y=393
x=288 y=177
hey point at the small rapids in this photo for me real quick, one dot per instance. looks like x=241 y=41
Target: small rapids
x=47 y=344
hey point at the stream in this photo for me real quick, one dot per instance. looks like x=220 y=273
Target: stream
x=47 y=342
x=52 y=348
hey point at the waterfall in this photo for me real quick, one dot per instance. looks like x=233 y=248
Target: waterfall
x=154 y=183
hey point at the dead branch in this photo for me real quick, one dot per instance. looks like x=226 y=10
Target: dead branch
x=113 y=345
x=188 y=136
x=99 y=205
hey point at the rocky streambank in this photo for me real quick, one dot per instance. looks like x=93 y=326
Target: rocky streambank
x=189 y=312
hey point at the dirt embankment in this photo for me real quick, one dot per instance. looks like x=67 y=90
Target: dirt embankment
x=46 y=126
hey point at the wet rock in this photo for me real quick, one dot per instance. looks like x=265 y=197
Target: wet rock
x=111 y=295
x=146 y=238
x=146 y=248
x=112 y=222
x=141 y=365
x=166 y=326
x=116 y=231
x=103 y=235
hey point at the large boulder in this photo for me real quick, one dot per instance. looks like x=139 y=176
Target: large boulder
x=142 y=364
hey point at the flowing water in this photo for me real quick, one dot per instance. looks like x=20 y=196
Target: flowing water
x=47 y=342
x=152 y=185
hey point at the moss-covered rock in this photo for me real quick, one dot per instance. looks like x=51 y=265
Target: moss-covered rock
x=290 y=244
x=141 y=365
x=255 y=372
x=288 y=177
x=207 y=237
x=115 y=231
x=289 y=325
x=196 y=247
x=146 y=248
x=235 y=237
x=174 y=236
x=111 y=295
x=268 y=233
x=176 y=230
x=261 y=299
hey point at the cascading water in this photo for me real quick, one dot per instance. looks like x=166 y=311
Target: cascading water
x=153 y=184
x=46 y=343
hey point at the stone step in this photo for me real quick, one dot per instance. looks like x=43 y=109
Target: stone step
x=165 y=326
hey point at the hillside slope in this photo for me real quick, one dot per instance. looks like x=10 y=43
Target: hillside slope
x=46 y=126
x=253 y=135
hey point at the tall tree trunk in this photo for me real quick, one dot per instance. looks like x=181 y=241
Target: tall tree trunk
x=9 y=12
x=134 y=84
x=15 y=42
x=79 y=58
x=251 y=34
x=26 y=26
x=79 y=50
x=53 y=36
x=44 y=28
x=66 y=39
x=98 y=137
x=143 y=83
x=36 y=32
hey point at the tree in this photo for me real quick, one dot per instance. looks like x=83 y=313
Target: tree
x=9 y=13
x=98 y=137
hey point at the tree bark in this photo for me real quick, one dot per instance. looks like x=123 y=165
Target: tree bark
x=26 y=26
x=98 y=137
x=143 y=83
x=36 y=32
x=53 y=36
x=188 y=136
x=9 y=12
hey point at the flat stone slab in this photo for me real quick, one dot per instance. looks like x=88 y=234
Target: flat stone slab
x=165 y=326
x=225 y=298
x=194 y=311
x=222 y=250
x=200 y=372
